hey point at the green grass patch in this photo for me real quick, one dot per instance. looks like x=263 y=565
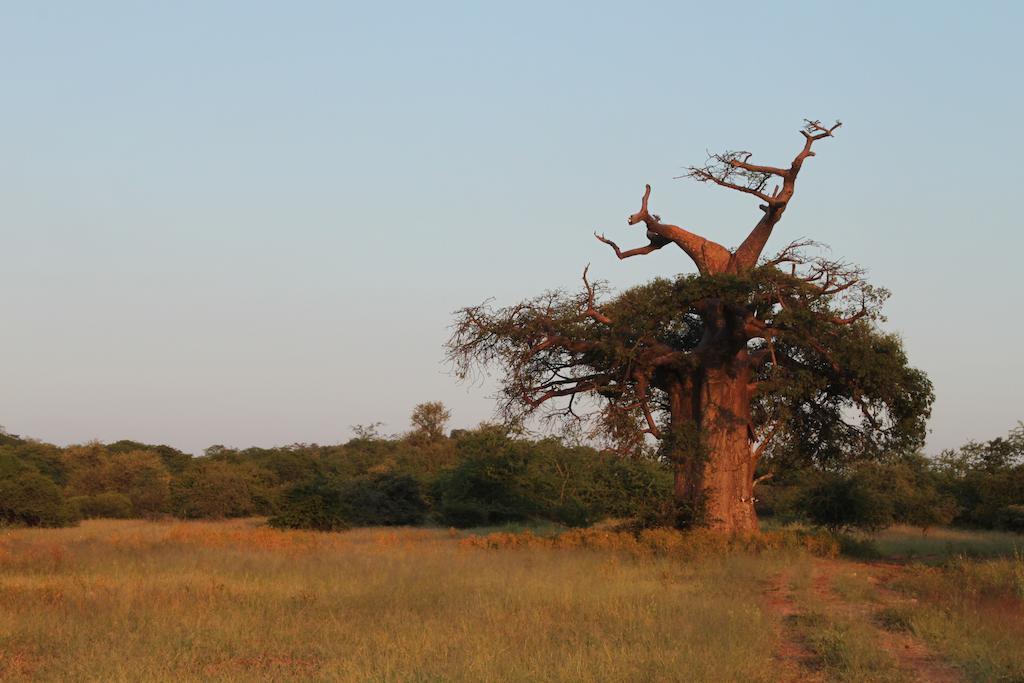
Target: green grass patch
x=846 y=649
x=939 y=544
x=971 y=612
x=855 y=587
x=897 y=619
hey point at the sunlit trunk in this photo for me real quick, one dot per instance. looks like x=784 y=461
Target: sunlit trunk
x=714 y=467
x=729 y=471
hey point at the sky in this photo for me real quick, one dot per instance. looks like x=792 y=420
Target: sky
x=249 y=223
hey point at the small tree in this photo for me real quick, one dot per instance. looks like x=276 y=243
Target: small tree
x=110 y=505
x=840 y=501
x=430 y=419
x=142 y=476
x=31 y=499
x=316 y=504
x=216 y=489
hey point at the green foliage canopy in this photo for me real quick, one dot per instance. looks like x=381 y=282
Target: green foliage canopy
x=829 y=383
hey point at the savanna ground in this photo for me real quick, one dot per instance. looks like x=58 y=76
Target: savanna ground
x=139 y=601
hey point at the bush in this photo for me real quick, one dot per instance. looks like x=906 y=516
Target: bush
x=372 y=500
x=144 y=480
x=315 y=505
x=31 y=499
x=384 y=500
x=613 y=486
x=985 y=478
x=844 y=501
x=912 y=484
x=485 y=490
x=104 y=505
x=1011 y=518
x=501 y=480
x=214 y=489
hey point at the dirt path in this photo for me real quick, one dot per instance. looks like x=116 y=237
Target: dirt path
x=915 y=659
x=794 y=660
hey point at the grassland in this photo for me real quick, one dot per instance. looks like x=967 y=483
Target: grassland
x=139 y=601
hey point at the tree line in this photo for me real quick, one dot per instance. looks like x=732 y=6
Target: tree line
x=486 y=476
x=483 y=476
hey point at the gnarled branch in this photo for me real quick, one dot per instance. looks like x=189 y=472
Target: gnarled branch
x=639 y=251
x=709 y=256
x=734 y=171
x=590 y=310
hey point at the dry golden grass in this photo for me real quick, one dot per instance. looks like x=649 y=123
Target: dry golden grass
x=972 y=611
x=139 y=601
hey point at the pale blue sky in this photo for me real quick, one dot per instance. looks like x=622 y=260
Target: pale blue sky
x=249 y=222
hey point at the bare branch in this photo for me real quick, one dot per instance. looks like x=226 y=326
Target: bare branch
x=816 y=131
x=704 y=175
x=740 y=160
x=765 y=440
x=849 y=320
x=641 y=392
x=749 y=251
x=590 y=310
x=639 y=251
x=709 y=257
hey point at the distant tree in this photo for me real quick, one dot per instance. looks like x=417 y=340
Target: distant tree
x=316 y=505
x=751 y=366
x=142 y=476
x=8 y=439
x=88 y=471
x=32 y=499
x=430 y=419
x=839 y=501
x=1011 y=518
x=500 y=479
x=986 y=478
x=11 y=465
x=489 y=486
x=213 y=489
x=994 y=455
x=110 y=505
x=175 y=460
x=383 y=500
x=914 y=486
x=368 y=432
x=45 y=457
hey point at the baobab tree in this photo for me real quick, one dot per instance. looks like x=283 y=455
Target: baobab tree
x=749 y=365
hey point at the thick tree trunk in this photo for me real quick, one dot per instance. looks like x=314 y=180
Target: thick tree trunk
x=716 y=478
x=729 y=467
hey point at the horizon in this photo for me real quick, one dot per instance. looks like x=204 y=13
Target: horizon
x=251 y=228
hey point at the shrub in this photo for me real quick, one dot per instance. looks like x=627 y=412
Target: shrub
x=1011 y=518
x=501 y=480
x=609 y=485
x=214 y=489
x=844 y=501
x=484 y=490
x=144 y=479
x=314 y=505
x=383 y=500
x=326 y=504
x=42 y=457
x=108 y=505
x=31 y=499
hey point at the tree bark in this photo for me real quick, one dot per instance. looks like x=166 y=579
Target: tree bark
x=729 y=470
x=714 y=464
